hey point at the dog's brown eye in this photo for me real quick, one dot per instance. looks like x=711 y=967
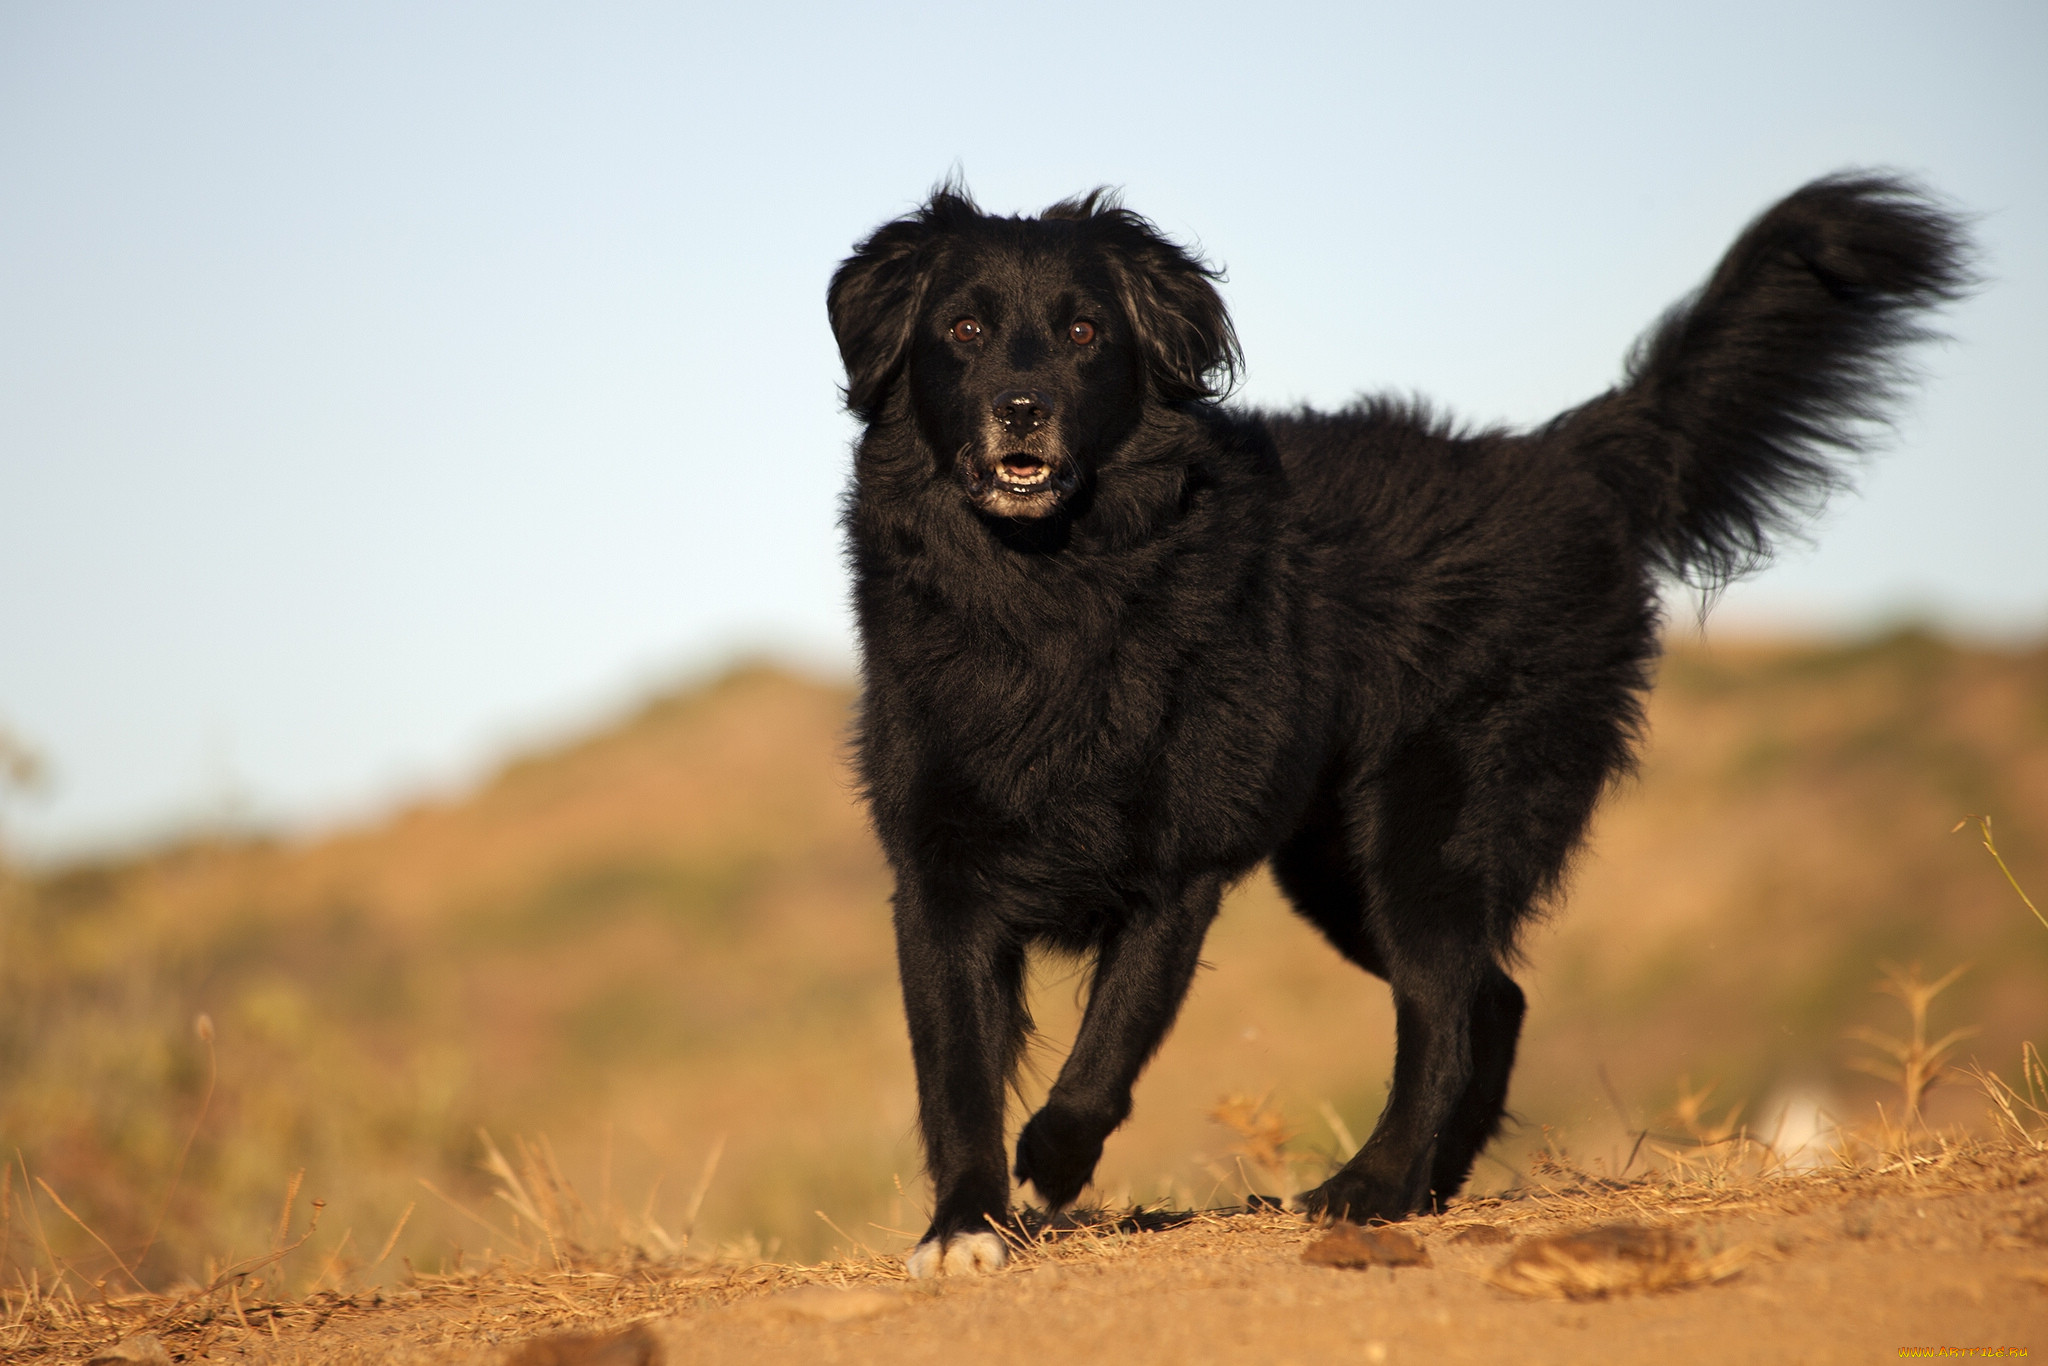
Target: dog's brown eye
x=1081 y=333
x=967 y=330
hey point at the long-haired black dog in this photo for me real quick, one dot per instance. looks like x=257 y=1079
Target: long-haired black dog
x=1121 y=643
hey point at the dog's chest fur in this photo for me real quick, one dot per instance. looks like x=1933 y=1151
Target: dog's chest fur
x=1111 y=704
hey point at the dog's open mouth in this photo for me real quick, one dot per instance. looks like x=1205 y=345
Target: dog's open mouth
x=1017 y=484
x=1020 y=472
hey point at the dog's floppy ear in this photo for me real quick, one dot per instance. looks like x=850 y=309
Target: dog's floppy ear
x=876 y=292
x=1169 y=296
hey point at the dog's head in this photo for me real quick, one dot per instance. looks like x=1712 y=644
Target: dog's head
x=1026 y=348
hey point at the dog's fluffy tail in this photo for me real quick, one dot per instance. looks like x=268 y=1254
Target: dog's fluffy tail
x=1742 y=406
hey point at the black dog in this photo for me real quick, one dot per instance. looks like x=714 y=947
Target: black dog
x=1121 y=643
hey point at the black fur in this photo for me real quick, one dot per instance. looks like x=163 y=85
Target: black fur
x=1122 y=643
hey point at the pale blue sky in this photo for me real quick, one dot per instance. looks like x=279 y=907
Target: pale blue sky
x=381 y=384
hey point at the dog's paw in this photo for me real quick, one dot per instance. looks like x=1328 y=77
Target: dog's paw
x=1057 y=1153
x=963 y=1254
x=1352 y=1197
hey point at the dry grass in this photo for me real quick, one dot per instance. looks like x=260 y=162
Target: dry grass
x=666 y=948
x=1991 y=848
x=1577 y=1236
x=565 y=1280
x=2021 y=1111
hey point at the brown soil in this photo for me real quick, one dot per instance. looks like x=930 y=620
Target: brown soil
x=1948 y=1248
x=670 y=940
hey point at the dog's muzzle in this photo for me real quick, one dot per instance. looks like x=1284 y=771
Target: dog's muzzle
x=1019 y=469
x=1016 y=483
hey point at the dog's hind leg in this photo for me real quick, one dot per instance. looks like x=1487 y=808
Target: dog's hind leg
x=1419 y=921
x=1436 y=1085
x=1141 y=976
x=1496 y=1026
x=1444 y=847
x=963 y=994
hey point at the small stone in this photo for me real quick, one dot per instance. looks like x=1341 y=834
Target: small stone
x=633 y=1346
x=1351 y=1246
x=144 y=1349
x=1473 y=1234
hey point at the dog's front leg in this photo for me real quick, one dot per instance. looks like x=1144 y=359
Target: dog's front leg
x=963 y=993
x=1141 y=976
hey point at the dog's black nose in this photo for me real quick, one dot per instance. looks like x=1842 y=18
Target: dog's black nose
x=1021 y=410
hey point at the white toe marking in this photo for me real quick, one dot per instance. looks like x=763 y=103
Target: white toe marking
x=964 y=1254
x=969 y=1254
x=923 y=1261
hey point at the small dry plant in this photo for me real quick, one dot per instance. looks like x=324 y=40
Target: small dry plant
x=2021 y=1111
x=1706 y=1144
x=553 y=1227
x=1262 y=1135
x=1914 y=1064
x=1690 y=1113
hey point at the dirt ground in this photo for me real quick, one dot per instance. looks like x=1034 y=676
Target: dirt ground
x=1946 y=1249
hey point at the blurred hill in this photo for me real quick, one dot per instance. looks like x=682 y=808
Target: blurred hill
x=667 y=944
